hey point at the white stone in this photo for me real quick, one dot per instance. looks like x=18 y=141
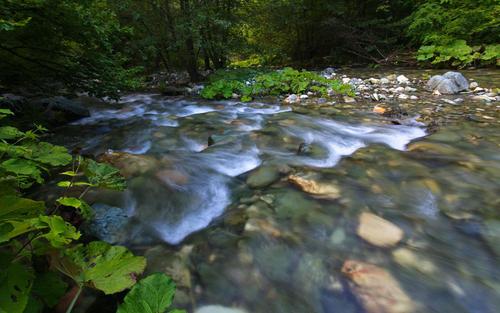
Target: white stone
x=403 y=96
x=349 y=99
x=292 y=99
x=473 y=85
x=346 y=80
x=378 y=231
x=413 y=98
x=402 y=79
x=303 y=97
x=384 y=81
x=410 y=89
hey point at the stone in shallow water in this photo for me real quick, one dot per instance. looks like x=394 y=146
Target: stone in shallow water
x=407 y=258
x=378 y=231
x=449 y=83
x=376 y=289
x=262 y=177
x=326 y=190
x=218 y=309
x=130 y=165
x=107 y=223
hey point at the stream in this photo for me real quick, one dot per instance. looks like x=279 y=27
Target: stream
x=213 y=197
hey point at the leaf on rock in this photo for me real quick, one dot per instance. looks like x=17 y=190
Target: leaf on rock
x=101 y=266
x=153 y=294
x=104 y=175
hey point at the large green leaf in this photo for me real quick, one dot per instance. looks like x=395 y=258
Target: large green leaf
x=104 y=175
x=15 y=285
x=153 y=294
x=13 y=207
x=9 y=132
x=47 y=153
x=101 y=266
x=23 y=168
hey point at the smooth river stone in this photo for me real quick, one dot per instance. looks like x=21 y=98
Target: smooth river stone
x=378 y=231
x=376 y=289
x=316 y=188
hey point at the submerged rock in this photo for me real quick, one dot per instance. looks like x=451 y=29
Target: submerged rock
x=314 y=187
x=130 y=165
x=449 y=83
x=262 y=177
x=378 y=231
x=376 y=289
x=407 y=258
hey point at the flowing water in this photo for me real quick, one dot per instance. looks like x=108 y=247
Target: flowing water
x=225 y=222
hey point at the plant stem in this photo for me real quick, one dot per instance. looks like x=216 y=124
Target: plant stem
x=72 y=304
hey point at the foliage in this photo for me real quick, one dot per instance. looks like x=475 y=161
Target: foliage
x=100 y=265
x=458 y=53
x=47 y=42
x=457 y=33
x=274 y=83
x=30 y=230
x=153 y=294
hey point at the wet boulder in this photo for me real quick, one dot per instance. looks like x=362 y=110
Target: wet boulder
x=376 y=289
x=130 y=165
x=378 y=231
x=263 y=177
x=107 y=223
x=449 y=83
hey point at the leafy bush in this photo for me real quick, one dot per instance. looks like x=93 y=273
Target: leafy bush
x=458 y=53
x=456 y=32
x=31 y=232
x=275 y=83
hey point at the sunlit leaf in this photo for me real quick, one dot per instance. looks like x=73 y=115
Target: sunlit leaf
x=104 y=175
x=101 y=266
x=84 y=209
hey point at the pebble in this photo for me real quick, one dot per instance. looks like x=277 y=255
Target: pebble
x=349 y=99
x=407 y=258
x=473 y=85
x=403 y=96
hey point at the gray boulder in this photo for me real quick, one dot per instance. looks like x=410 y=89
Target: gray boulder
x=108 y=223
x=449 y=83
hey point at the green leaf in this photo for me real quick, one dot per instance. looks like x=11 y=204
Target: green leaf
x=5 y=112
x=104 y=175
x=47 y=153
x=13 y=207
x=21 y=167
x=84 y=209
x=69 y=173
x=9 y=132
x=59 y=232
x=15 y=284
x=101 y=266
x=153 y=294
x=64 y=184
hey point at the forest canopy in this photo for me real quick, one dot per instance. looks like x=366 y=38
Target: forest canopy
x=103 y=46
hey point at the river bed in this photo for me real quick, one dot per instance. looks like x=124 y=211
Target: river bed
x=213 y=198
